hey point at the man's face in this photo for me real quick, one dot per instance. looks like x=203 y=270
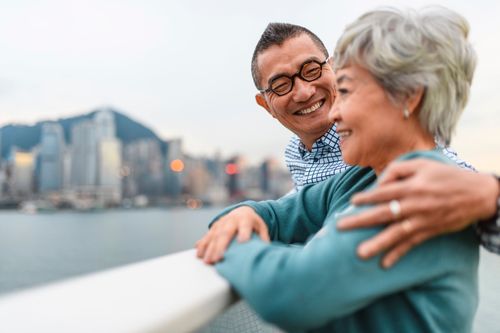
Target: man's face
x=304 y=110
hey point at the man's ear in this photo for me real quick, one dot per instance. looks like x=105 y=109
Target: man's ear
x=262 y=102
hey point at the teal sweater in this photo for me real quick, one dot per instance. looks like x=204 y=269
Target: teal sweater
x=322 y=285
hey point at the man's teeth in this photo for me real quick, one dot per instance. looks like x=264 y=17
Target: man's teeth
x=344 y=134
x=311 y=109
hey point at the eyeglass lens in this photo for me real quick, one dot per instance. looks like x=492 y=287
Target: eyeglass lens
x=309 y=71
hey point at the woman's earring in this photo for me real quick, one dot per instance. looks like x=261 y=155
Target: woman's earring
x=406 y=113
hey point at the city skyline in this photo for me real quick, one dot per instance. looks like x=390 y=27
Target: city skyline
x=96 y=167
x=182 y=67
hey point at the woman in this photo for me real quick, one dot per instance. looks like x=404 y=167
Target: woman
x=403 y=78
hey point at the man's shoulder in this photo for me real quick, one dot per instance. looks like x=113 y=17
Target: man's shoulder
x=292 y=148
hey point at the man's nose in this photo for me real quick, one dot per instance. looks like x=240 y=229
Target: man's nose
x=303 y=90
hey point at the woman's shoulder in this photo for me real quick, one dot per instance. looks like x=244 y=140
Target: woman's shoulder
x=434 y=154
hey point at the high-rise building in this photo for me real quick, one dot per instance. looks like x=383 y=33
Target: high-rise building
x=66 y=166
x=144 y=168
x=109 y=159
x=175 y=165
x=1 y=152
x=105 y=124
x=84 y=157
x=51 y=152
x=21 y=167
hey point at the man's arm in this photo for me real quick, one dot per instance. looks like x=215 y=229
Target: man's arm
x=434 y=199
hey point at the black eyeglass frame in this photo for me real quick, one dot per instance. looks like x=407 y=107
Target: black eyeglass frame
x=292 y=78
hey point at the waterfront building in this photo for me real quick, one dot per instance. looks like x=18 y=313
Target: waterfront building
x=198 y=180
x=217 y=192
x=1 y=151
x=237 y=184
x=51 y=151
x=84 y=157
x=275 y=181
x=20 y=173
x=3 y=179
x=66 y=166
x=174 y=170
x=109 y=160
x=143 y=168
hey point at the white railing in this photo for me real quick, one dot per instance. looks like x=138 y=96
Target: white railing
x=175 y=293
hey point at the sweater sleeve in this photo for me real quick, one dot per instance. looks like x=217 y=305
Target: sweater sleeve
x=307 y=286
x=293 y=218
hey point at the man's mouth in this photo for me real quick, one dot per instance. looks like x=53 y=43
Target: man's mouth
x=310 y=109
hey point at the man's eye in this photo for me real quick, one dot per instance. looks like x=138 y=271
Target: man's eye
x=280 y=86
x=342 y=91
x=312 y=72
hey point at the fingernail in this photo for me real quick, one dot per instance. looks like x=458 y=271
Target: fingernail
x=343 y=224
x=364 y=251
x=386 y=264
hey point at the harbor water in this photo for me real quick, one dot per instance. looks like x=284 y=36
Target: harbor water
x=43 y=248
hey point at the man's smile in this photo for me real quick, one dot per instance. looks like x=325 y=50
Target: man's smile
x=310 y=109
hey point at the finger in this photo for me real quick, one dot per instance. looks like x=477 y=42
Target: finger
x=380 y=214
x=263 y=233
x=404 y=247
x=201 y=245
x=244 y=233
x=383 y=193
x=384 y=240
x=399 y=170
x=222 y=242
x=207 y=258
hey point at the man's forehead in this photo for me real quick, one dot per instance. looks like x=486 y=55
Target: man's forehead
x=287 y=57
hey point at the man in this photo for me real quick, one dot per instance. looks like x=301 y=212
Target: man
x=313 y=154
x=290 y=68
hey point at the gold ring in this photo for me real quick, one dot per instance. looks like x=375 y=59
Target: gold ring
x=406 y=225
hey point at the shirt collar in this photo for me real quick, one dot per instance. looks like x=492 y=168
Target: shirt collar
x=328 y=140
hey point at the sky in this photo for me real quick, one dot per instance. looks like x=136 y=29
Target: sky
x=182 y=67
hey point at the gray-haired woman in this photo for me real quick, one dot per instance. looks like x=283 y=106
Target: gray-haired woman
x=403 y=78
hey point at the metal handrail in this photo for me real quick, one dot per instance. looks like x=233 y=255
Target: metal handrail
x=174 y=293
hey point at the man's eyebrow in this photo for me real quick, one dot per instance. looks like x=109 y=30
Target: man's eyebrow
x=275 y=76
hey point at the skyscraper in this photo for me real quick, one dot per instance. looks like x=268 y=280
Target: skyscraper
x=21 y=170
x=51 y=158
x=84 y=157
x=174 y=168
x=144 y=164
x=109 y=157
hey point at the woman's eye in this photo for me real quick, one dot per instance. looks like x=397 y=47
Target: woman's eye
x=342 y=91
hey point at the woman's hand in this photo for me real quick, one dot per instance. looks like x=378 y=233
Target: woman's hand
x=240 y=222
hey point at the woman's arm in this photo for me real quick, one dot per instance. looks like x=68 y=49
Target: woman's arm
x=291 y=219
x=306 y=287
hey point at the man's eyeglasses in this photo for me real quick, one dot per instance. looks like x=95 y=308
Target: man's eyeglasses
x=309 y=71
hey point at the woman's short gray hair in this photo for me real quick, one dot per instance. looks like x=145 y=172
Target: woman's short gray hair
x=407 y=50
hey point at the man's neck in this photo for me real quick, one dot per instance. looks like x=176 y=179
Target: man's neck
x=308 y=141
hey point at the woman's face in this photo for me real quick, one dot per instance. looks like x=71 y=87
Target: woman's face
x=369 y=124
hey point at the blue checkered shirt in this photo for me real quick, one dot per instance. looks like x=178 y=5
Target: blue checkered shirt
x=325 y=160
x=310 y=167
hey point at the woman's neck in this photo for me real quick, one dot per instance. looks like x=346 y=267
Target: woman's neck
x=408 y=144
